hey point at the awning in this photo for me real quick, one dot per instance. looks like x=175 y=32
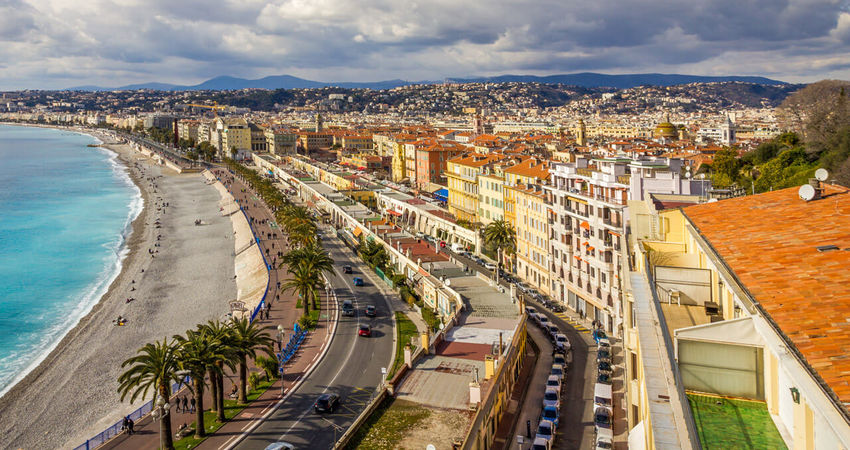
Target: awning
x=393 y=213
x=586 y=244
x=578 y=257
x=442 y=194
x=578 y=200
x=613 y=233
x=357 y=232
x=589 y=248
x=740 y=331
x=585 y=225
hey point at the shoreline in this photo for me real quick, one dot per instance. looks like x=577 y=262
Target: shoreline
x=93 y=345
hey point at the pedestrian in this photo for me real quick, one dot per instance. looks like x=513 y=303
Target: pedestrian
x=125 y=423
x=192 y=402
x=130 y=425
x=185 y=404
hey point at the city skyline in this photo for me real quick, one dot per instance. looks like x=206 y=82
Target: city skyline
x=50 y=44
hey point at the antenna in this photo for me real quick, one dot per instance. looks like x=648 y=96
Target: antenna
x=821 y=174
x=807 y=192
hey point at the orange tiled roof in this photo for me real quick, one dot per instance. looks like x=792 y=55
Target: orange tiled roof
x=769 y=240
x=531 y=167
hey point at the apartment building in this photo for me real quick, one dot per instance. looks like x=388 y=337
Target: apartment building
x=432 y=160
x=773 y=334
x=356 y=142
x=491 y=193
x=232 y=137
x=462 y=177
x=532 y=236
x=188 y=129
x=280 y=141
x=526 y=171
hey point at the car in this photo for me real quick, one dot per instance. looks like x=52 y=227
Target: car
x=602 y=417
x=604 y=378
x=364 y=330
x=371 y=311
x=562 y=343
x=558 y=370
x=551 y=414
x=280 y=446
x=552 y=397
x=357 y=281
x=598 y=334
x=347 y=269
x=543 y=321
x=489 y=266
x=560 y=359
x=553 y=382
x=604 y=366
x=541 y=444
x=553 y=330
x=603 y=355
x=558 y=307
x=545 y=430
x=347 y=308
x=326 y=403
x=604 y=438
x=603 y=343
x=530 y=310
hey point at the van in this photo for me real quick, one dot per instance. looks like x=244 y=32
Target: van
x=602 y=395
x=457 y=248
x=348 y=308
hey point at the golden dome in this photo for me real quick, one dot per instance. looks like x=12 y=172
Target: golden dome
x=665 y=130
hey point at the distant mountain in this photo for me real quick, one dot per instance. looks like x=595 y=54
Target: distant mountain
x=587 y=79
x=592 y=80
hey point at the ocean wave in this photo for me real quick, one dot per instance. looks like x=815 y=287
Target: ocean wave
x=93 y=293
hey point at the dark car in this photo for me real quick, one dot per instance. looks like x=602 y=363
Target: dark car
x=347 y=269
x=559 y=359
x=347 y=308
x=358 y=281
x=603 y=378
x=602 y=417
x=604 y=366
x=371 y=311
x=326 y=403
x=603 y=355
x=364 y=330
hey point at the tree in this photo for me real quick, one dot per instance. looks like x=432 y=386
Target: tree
x=198 y=354
x=247 y=339
x=501 y=235
x=219 y=334
x=311 y=260
x=726 y=166
x=154 y=369
x=305 y=283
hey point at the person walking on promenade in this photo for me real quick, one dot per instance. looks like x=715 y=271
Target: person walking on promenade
x=185 y=404
x=192 y=402
x=125 y=424
x=130 y=425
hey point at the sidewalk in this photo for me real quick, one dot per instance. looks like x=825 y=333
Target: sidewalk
x=283 y=312
x=534 y=367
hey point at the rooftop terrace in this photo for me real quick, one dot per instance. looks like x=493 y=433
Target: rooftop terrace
x=731 y=423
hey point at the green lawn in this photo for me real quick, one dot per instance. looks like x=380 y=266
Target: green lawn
x=405 y=329
x=728 y=423
x=388 y=425
x=231 y=409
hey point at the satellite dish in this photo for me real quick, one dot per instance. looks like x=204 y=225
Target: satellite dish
x=807 y=192
x=821 y=174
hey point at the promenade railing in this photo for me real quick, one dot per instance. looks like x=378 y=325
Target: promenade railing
x=117 y=428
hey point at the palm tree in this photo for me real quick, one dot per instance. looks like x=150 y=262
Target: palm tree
x=197 y=355
x=155 y=368
x=303 y=234
x=305 y=283
x=220 y=335
x=247 y=338
x=317 y=260
x=500 y=234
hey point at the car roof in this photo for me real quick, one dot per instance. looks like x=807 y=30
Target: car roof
x=327 y=396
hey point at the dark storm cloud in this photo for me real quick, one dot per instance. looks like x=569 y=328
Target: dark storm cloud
x=187 y=41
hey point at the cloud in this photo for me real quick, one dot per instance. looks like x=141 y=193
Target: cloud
x=45 y=43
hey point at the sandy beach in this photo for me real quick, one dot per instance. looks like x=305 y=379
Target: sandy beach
x=72 y=394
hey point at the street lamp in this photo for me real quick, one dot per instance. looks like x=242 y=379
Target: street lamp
x=280 y=333
x=160 y=410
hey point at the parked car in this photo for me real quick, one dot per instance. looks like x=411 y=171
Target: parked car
x=604 y=378
x=603 y=355
x=604 y=366
x=543 y=321
x=443 y=244
x=280 y=446
x=357 y=281
x=603 y=395
x=551 y=414
x=541 y=444
x=560 y=359
x=545 y=430
x=530 y=310
x=552 y=397
x=553 y=330
x=604 y=439
x=553 y=382
x=371 y=311
x=603 y=343
x=602 y=417
x=326 y=403
x=347 y=308
x=562 y=343
x=558 y=370
x=364 y=330
x=489 y=266
x=347 y=269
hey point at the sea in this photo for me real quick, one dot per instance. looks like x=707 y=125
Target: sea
x=66 y=211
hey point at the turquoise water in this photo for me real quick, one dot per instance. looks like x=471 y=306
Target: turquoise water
x=65 y=212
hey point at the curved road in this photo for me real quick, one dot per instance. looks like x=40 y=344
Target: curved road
x=351 y=368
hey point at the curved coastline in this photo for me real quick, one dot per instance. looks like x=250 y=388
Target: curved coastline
x=94 y=292
x=79 y=373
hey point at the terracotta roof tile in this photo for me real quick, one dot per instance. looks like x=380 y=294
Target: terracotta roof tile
x=770 y=241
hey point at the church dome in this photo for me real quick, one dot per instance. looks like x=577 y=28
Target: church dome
x=665 y=130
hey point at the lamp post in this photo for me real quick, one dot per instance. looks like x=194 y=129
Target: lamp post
x=280 y=333
x=160 y=410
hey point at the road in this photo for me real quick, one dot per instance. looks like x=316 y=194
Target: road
x=351 y=368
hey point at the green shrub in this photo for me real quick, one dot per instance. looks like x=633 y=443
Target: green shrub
x=431 y=318
x=254 y=380
x=307 y=321
x=269 y=366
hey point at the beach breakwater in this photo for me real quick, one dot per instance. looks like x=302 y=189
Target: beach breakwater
x=252 y=276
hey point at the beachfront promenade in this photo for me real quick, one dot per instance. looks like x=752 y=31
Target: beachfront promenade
x=283 y=312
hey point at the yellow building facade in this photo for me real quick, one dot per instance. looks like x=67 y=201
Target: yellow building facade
x=532 y=236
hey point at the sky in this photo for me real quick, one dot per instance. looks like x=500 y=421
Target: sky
x=54 y=44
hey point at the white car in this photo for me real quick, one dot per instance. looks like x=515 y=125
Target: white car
x=541 y=444
x=489 y=266
x=562 y=342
